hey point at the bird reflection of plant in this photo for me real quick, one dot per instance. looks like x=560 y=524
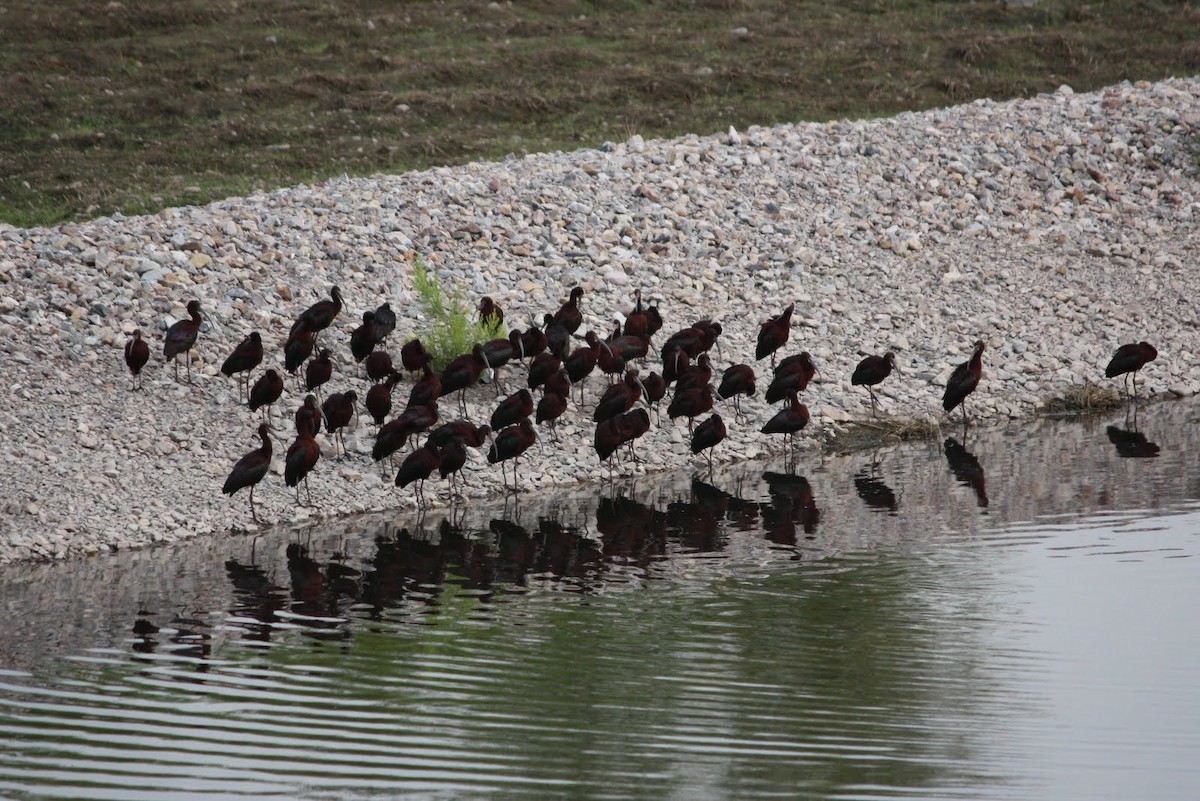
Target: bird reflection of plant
x=451 y=331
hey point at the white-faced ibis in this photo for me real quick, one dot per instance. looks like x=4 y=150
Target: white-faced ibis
x=963 y=381
x=619 y=398
x=499 y=352
x=558 y=383
x=692 y=341
x=266 y=391
x=297 y=349
x=245 y=357
x=463 y=431
x=309 y=415
x=413 y=355
x=379 y=365
x=637 y=324
x=610 y=362
x=792 y=375
x=630 y=347
x=362 y=338
x=418 y=466
x=1128 y=360
x=510 y=444
x=454 y=458
x=607 y=438
x=394 y=434
x=490 y=314
x=773 y=334
x=428 y=387
x=707 y=436
x=737 y=381
x=384 y=323
x=542 y=367
x=338 y=410
x=512 y=409
x=656 y=389
x=675 y=361
x=379 y=398
x=181 y=336
x=696 y=375
x=251 y=468
x=533 y=341
x=691 y=403
x=582 y=361
x=320 y=315
x=302 y=456
x=632 y=425
x=137 y=353
x=871 y=371
x=569 y=314
x=462 y=373
x=318 y=371
x=558 y=338
x=791 y=419
x=551 y=407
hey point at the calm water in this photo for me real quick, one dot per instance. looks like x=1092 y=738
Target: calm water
x=1009 y=619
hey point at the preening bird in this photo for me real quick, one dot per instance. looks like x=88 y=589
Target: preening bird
x=773 y=334
x=963 y=381
x=137 y=353
x=871 y=371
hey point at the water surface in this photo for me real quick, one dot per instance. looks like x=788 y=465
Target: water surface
x=1005 y=617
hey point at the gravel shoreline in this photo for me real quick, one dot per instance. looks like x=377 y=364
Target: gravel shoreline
x=1054 y=228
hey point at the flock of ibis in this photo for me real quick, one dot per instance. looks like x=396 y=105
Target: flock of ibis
x=552 y=367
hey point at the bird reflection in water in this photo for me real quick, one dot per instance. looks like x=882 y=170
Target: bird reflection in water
x=966 y=469
x=1131 y=443
x=874 y=491
x=791 y=504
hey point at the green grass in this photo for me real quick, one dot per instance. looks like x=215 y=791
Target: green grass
x=452 y=330
x=135 y=105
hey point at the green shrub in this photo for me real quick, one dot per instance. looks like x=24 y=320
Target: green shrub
x=452 y=329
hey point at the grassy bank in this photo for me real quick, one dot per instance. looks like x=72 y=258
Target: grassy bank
x=132 y=106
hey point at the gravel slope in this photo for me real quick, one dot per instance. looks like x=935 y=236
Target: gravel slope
x=1054 y=229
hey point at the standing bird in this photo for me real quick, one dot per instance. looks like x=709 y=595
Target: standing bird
x=297 y=349
x=394 y=434
x=251 y=469
x=510 y=444
x=791 y=419
x=542 y=367
x=871 y=371
x=637 y=323
x=490 y=314
x=512 y=409
x=302 y=457
x=412 y=355
x=655 y=387
x=551 y=407
x=319 y=316
x=691 y=403
x=773 y=334
x=499 y=352
x=463 y=431
x=379 y=365
x=181 y=336
x=462 y=373
x=137 y=353
x=245 y=357
x=619 y=398
x=792 y=375
x=383 y=324
x=454 y=458
x=309 y=416
x=695 y=375
x=737 y=381
x=318 y=371
x=1128 y=360
x=582 y=361
x=569 y=314
x=379 y=398
x=362 y=338
x=338 y=410
x=632 y=425
x=963 y=381
x=707 y=436
x=266 y=391
x=428 y=388
x=418 y=466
